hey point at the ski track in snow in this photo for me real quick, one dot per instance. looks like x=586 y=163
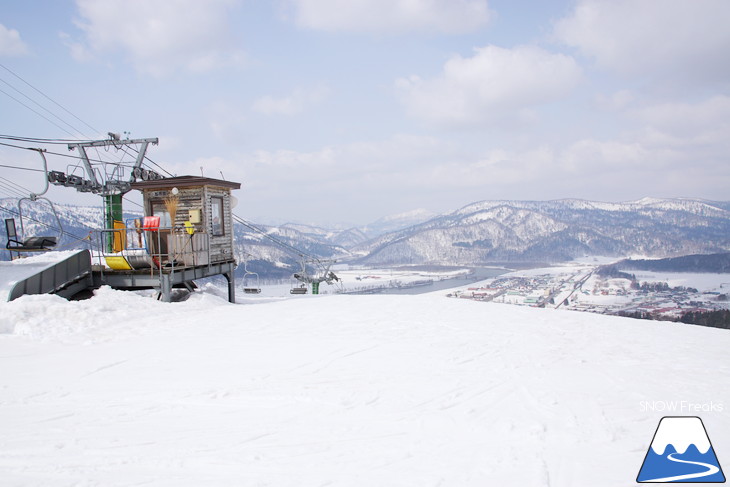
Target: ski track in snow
x=338 y=390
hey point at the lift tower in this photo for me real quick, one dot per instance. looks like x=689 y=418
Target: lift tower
x=108 y=179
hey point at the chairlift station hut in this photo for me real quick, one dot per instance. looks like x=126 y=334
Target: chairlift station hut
x=194 y=243
x=202 y=203
x=186 y=233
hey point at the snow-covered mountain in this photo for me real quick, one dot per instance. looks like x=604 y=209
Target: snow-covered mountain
x=277 y=251
x=482 y=232
x=547 y=231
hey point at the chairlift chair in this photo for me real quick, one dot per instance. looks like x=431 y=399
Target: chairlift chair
x=298 y=289
x=30 y=244
x=22 y=243
x=247 y=287
x=248 y=277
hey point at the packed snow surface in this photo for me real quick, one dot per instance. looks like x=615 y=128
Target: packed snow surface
x=374 y=390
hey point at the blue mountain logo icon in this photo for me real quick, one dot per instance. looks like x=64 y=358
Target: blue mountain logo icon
x=681 y=452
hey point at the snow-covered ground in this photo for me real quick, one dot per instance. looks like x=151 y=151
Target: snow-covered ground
x=341 y=390
x=367 y=279
x=359 y=281
x=703 y=282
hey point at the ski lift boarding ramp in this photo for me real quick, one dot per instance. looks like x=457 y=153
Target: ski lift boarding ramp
x=66 y=276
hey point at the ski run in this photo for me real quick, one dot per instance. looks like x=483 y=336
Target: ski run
x=376 y=390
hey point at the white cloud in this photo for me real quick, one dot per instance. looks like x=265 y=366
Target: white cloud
x=683 y=119
x=604 y=170
x=662 y=38
x=448 y=16
x=10 y=42
x=604 y=157
x=346 y=180
x=376 y=159
x=226 y=120
x=495 y=85
x=375 y=177
x=158 y=37
x=498 y=168
x=294 y=160
x=617 y=101
x=290 y=105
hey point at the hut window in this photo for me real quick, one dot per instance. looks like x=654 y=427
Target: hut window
x=159 y=209
x=216 y=210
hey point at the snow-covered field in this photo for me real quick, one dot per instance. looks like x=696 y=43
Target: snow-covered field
x=341 y=390
x=700 y=281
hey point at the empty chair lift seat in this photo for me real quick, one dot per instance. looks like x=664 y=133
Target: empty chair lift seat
x=31 y=244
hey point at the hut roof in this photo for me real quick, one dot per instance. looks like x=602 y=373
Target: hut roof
x=184 y=182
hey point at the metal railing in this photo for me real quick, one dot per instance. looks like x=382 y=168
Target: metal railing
x=162 y=250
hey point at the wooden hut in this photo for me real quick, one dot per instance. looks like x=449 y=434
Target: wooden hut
x=195 y=218
x=186 y=234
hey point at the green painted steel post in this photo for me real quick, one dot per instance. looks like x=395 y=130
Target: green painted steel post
x=113 y=212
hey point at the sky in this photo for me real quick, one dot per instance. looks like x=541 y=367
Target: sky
x=333 y=112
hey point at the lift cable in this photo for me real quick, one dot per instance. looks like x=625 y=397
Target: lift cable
x=17 y=187
x=11 y=191
x=37 y=90
x=36 y=112
x=21 y=168
x=38 y=105
x=47 y=97
x=55 y=154
x=38 y=140
x=302 y=254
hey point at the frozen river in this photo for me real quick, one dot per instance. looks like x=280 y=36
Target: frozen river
x=478 y=274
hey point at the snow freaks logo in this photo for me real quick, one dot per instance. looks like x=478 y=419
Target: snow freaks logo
x=681 y=452
x=682 y=407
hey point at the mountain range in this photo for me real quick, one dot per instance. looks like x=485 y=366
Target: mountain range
x=556 y=231
x=481 y=233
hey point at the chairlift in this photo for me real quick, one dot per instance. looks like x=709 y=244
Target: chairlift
x=34 y=243
x=298 y=289
x=248 y=277
x=31 y=244
x=325 y=275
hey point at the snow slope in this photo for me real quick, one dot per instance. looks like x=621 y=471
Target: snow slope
x=340 y=390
